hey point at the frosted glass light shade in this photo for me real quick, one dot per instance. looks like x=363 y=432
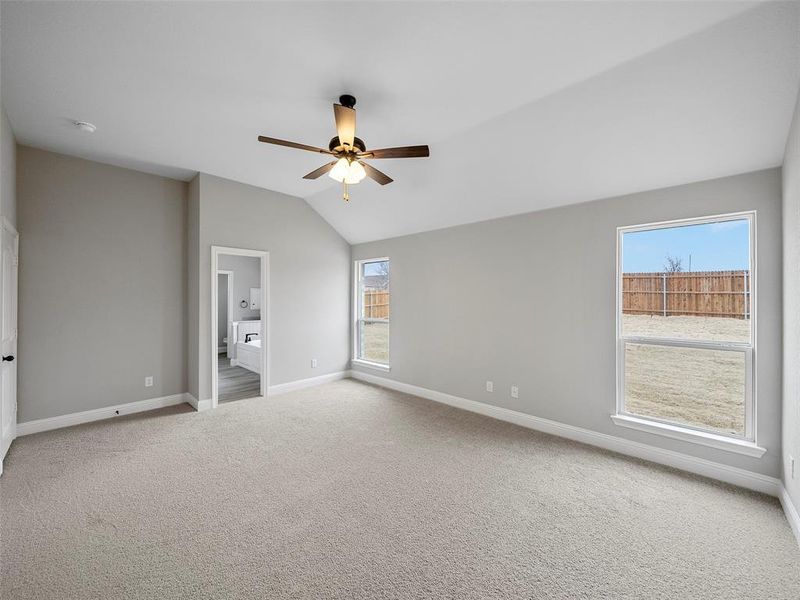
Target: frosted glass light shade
x=347 y=172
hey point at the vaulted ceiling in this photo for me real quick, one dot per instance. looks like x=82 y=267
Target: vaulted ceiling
x=524 y=105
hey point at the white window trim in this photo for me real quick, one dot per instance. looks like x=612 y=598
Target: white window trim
x=371 y=365
x=677 y=432
x=742 y=445
x=357 y=299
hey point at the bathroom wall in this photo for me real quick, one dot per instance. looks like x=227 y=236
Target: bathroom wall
x=222 y=309
x=246 y=275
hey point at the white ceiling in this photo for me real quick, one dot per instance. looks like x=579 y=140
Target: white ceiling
x=525 y=105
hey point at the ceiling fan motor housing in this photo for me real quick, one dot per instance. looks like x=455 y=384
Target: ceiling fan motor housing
x=358 y=144
x=347 y=100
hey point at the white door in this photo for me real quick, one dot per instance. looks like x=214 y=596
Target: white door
x=9 y=244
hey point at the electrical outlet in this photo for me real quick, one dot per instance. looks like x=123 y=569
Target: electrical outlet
x=148 y=381
x=489 y=386
x=791 y=466
x=514 y=391
x=313 y=363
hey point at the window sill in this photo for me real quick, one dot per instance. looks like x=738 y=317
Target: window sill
x=371 y=365
x=712 y=440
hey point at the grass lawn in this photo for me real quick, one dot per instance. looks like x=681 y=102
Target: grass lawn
x=375 y=337
x=702 y=388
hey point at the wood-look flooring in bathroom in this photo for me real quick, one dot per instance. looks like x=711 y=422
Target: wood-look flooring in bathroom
x=236 y=383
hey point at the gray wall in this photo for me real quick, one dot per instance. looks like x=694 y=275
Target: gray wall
x=456 y=322
x=247 y=274
x=309 y=280
x=101 y=285
x=8 y=175
x=192 y=236
x=791 y=308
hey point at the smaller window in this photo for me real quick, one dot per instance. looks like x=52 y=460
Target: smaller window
x=372 y=311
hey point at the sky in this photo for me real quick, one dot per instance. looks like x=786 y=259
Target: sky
x=372 y=268
x=722 y=246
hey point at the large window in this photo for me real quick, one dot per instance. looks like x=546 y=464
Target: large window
x=685 y=330
x=372 y=312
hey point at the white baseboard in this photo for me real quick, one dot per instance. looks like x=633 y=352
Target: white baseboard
x=791 y=513
x=670 y=458
x=291 y=386
x=7 y=444
x=198 y=405
x=234 y=362
x=98 y=414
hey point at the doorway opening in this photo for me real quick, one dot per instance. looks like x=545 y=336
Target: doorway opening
x=239 y=324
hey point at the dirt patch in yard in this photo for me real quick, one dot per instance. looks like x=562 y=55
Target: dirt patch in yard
x=697 y=387
x=716 y=329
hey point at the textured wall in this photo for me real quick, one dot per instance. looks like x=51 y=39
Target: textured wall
x=101 y=285
x=8 y=157
x=791 y=308
x=531 y=302
x=192 y=314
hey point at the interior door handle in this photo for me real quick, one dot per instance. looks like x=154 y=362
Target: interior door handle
x=8 y=358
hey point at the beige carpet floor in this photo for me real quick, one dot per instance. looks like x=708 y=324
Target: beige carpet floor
x=352 y=491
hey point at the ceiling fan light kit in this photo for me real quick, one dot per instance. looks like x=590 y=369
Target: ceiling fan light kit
x=349 y=151
x=347 y=171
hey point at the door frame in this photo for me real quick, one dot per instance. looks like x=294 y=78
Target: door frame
x=6 y=228
x=263 y=256
x=229 y=275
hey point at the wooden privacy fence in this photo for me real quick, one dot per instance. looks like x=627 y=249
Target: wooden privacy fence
x=706 y=294
x=376 y=304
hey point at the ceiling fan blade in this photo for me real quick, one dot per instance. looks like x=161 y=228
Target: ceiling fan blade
x=373 y=173
x=345 y=124
x=402 y=152
x=277 y=142
x=316 y=173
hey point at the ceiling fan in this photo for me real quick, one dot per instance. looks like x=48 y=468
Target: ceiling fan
x=349 y=151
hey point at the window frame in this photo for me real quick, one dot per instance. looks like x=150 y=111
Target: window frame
x=358 y=268
x=743 y=444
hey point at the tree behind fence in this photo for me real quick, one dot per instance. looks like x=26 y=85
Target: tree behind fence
x=707 y=294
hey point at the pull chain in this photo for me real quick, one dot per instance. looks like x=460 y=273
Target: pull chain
x=345 y=195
